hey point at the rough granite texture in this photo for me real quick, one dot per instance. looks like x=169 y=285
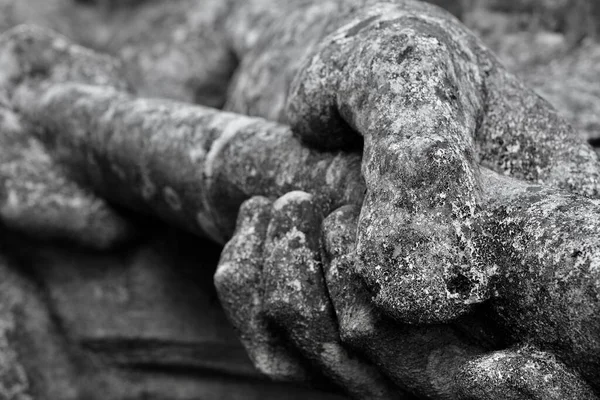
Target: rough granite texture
x=197 y=181
x=286 y=232
x=532 y=374
x=478 y=197
x=421 y=360
x=425 y=203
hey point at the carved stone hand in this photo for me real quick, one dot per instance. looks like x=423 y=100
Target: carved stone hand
x=477 y=199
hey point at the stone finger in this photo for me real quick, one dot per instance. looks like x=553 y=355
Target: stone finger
x=521 y=374
x=296 y=298
x=238 y=279
x=422 y=360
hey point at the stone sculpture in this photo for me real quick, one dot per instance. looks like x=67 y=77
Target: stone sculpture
x=463 y=266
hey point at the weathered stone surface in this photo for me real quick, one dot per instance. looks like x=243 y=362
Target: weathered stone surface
x=441 y=228
x=237 y=279
x=293 y=298
x=551 y=235
x=420 y=158
x=423 y=361
x=515 y=134
x=197 y=181
x=534 y=375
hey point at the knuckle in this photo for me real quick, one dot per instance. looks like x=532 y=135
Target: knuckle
x=224 y=276
x=356 y=326
x=254 y=203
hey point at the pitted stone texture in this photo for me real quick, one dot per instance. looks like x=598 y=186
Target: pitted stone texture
x=471 y=97
x=138 y=162
x=430 y=356
x=524 y=373
x=545 y=248
x=457 y=108
x=285 y=298
x=239 y=282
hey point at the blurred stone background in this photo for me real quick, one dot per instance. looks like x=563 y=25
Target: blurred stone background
x=552 y=45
